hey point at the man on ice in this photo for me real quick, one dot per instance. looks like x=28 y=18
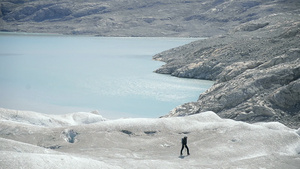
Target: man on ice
x=184 y=144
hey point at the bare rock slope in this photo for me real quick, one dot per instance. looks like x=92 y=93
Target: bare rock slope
x=256 y=68
x=196 y=18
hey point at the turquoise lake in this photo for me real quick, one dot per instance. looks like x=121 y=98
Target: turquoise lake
x=55 y=74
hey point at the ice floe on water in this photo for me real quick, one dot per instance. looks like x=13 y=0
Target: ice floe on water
x=87 y=140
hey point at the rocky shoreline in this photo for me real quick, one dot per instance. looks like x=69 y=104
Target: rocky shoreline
x=256 y=68
x=253 y=53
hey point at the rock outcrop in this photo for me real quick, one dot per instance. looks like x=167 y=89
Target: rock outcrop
x=193 y=18
x=257 y=72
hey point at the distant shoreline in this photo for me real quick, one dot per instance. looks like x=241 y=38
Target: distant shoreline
x=87 y=35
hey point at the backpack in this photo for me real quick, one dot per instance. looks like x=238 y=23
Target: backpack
x=184 y=140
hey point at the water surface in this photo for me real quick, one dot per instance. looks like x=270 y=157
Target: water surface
x=64 y=74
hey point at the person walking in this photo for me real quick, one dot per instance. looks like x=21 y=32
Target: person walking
x=184 y=144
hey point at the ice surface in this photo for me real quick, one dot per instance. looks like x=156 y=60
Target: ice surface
x=29 y=140
x=19 y=155
x=33 y=118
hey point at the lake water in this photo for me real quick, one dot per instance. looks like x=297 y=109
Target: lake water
x=62 y=74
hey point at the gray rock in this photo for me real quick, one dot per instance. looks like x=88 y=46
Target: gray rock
x=256 y=72
x=288 y=96
x=154 y=18
x=53 y=12
x=251 y=26
x=237 y=68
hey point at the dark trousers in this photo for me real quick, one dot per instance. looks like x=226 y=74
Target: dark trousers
x=184 y=145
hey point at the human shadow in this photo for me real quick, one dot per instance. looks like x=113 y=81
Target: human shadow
x=181 y=156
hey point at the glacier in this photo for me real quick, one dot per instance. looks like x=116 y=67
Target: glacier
x=35 y=140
